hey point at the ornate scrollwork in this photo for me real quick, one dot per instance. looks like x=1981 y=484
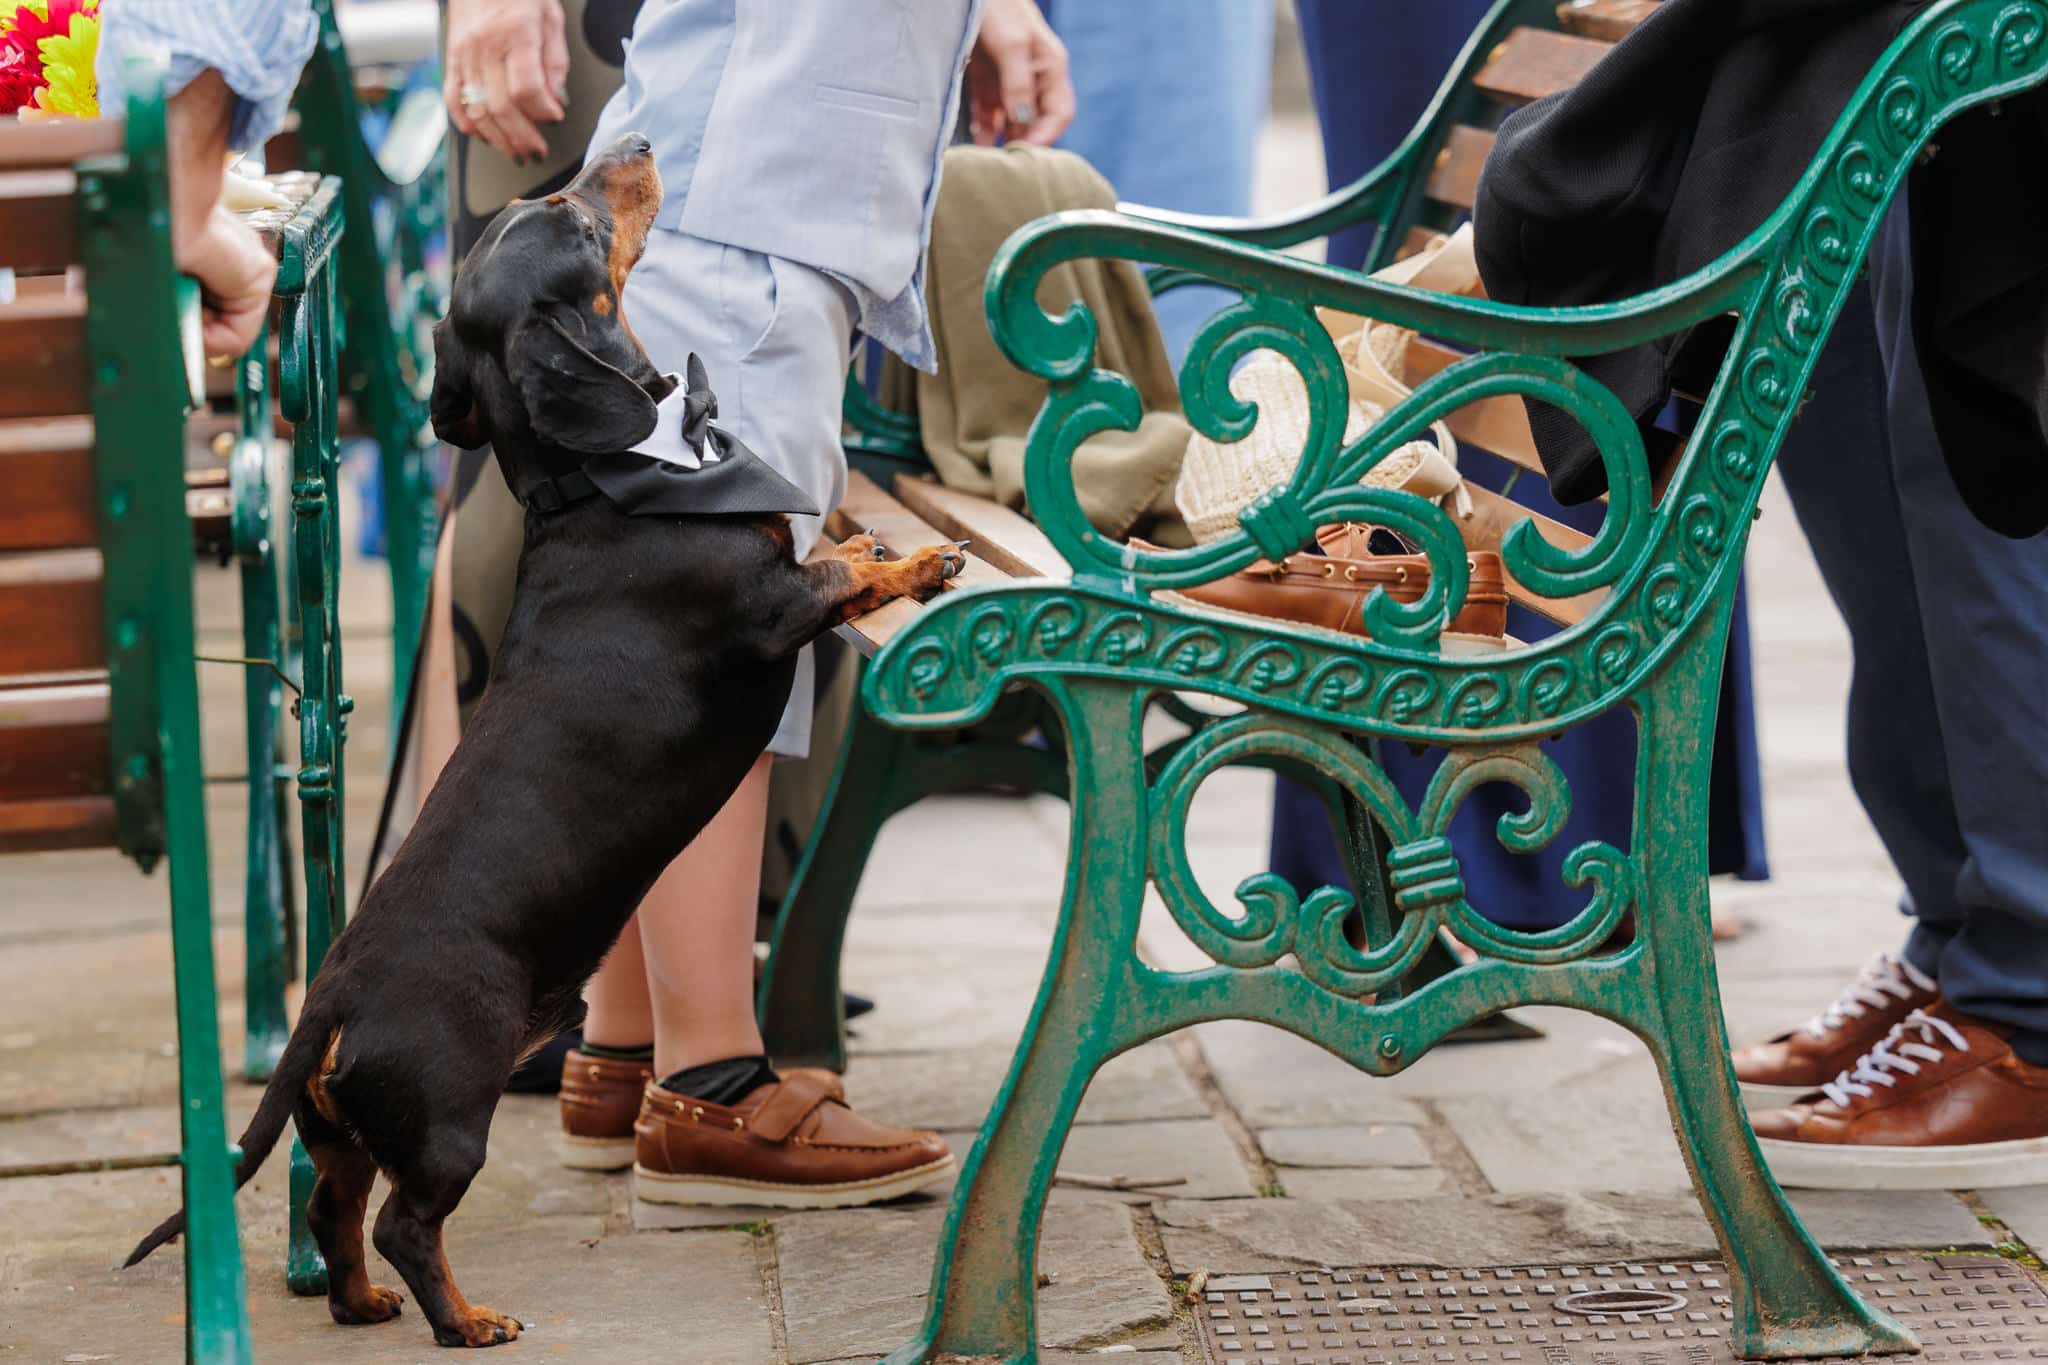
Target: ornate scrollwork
x=1423 y=872
x=1662 y=565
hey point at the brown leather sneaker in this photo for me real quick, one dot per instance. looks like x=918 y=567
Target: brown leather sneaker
x=600 y=1099
x=1793 y=1065
x=1942 y=1103
x=789 y=1145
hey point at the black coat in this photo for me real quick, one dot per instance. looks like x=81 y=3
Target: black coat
x=1689 y=135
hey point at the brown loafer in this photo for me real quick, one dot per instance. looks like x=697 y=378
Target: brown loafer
x=1793 y=1065
x=600 y=1098
x=1329 y=589
x=791 y=1145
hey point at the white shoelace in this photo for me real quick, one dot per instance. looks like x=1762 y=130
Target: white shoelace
x=1886 y=979
x=1917 y=1038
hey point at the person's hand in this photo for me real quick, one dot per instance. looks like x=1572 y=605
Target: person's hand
x=1017 y=74
x=505 y=71
x=235 y=273
x=212 y=245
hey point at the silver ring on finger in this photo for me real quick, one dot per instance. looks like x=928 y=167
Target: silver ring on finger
x=473 y=95
x=1023 y=113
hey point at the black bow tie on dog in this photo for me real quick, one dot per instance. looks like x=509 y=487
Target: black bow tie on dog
x=688 y=467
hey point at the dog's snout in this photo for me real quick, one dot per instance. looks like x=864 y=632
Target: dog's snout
x=629 y=147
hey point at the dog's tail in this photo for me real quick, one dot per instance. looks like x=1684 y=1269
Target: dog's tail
x=301 y=1055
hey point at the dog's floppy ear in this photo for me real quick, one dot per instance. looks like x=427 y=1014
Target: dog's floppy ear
x=453 y=407
x=573 y=398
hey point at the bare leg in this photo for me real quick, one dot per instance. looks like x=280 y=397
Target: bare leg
x=621 y=1013
x=697 y=934
x=440 y=718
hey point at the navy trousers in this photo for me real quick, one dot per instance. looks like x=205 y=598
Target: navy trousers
x=1948 y=706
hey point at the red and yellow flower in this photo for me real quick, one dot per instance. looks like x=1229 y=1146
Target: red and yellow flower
x=46 y=58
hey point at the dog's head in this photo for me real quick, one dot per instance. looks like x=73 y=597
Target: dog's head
x=535 y=357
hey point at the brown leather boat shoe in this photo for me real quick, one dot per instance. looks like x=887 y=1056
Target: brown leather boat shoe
x=792 y=1144
x=1329 y=589
x=600 y=1098
x=1942 y=1103
x=1793 y=1065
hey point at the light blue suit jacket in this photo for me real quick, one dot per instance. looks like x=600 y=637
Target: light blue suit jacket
x=806 y=129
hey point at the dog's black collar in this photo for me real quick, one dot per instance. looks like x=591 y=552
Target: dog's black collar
x=564 y=490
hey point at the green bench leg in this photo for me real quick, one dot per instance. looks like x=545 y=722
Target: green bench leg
x=983 y=1300
x=216 y=1314
x=267 y=963
x=880 y=772
x=1789 y=1301
x=308 y=391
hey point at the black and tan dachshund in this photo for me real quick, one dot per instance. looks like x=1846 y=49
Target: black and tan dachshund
x=644 y=669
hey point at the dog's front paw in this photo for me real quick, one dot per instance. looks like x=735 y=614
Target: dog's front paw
x=929 y=568
x=863 y=547
x=479 y=1327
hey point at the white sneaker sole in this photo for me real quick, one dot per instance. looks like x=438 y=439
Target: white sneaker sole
x=1773 y=1096
x=594 y=1154
x=658 y=1188
x=1836 y=1166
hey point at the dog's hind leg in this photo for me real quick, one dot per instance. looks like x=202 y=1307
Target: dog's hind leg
x=408 y=1235
x=340 y=1199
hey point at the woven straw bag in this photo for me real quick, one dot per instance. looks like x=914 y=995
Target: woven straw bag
x=1219 y=479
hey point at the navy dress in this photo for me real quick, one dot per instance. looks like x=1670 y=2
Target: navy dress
x=1374 y=65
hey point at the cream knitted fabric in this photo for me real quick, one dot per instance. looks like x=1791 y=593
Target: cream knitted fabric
x=1220 y=479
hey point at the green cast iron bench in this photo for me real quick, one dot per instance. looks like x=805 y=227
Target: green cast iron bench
x=1516 y=56
x=1649 y=595
x=394 y=199
x=99 y=702
x=390 y=294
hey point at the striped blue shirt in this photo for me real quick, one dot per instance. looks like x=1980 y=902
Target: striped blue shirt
x=258 y=46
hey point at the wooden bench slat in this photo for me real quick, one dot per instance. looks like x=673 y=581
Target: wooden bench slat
x=50 y=611
x=47 y=472
x=45 y=825
x=1454 y=179
x=57 y=144
x=1533 y=62
x=1492 y=517
x=1008 y=540
x=43 y=355
x=38 y=225
x=53 y=747
x=1608 y=20
x=1497 y=425
x=867 y=508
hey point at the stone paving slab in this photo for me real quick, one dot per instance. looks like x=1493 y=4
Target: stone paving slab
x=1609 y=1130
x=1279 y=1234
x=1275 y=1234
x=2024 y=1209
x=1345 y=1145
x=954 y=1088
x=1368 y=1183
x=842 y=1300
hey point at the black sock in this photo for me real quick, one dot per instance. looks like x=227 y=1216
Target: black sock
x=722 y=1082
x=2030 y=1046
x=642 y=1053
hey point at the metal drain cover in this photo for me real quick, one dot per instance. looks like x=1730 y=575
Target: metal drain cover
x=1963 y=1308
